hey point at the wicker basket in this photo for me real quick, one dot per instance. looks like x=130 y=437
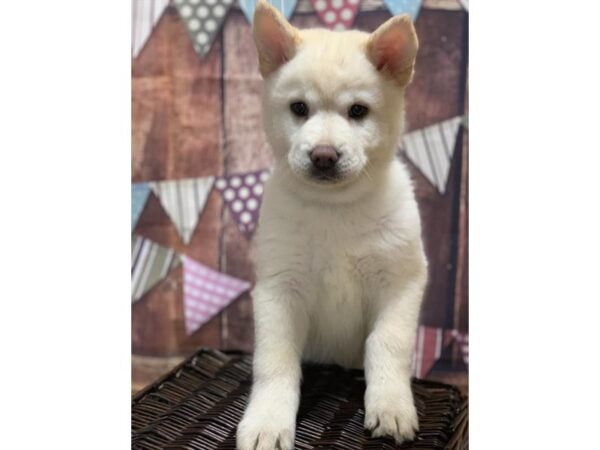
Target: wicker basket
x=199 y=404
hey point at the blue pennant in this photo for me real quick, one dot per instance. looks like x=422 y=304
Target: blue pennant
x=287 y=7
x=139 y=195
x=411 y=7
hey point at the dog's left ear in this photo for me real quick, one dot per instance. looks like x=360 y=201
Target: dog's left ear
x=392 y=48
x=276 y=40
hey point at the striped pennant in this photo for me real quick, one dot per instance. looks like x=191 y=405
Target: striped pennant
x=243 y=193
x=410 y=7
x=286 y=7
x=139 y=196
x=183 y=200
x=336 y=14
x=431 y=150
x=203 y=20
x=144 y=16
x=150 y=263
x=206 y=293
x=431 y=342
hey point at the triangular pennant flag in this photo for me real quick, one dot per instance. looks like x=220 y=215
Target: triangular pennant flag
x=243 y=195
x=286 y=7
x=183 y=200
x=410 y=7
x=203 y=20
x=465 y=4
x=336 y=14
x=431 y=150
x=139 y=196
x=206 y=293
x=150 y=263
x=431 y=342
x=144 y=16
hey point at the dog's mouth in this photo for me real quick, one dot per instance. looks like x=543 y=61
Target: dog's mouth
x=327 y=176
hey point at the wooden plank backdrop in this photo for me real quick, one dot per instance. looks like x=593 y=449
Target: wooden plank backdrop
x=193 y=117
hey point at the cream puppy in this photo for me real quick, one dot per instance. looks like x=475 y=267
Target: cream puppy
x=340 y=263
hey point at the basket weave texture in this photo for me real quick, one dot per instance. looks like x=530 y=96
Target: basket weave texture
x=199 y=404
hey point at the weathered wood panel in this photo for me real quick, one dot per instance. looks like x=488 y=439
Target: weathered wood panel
x=176 y=133
x=245 y=149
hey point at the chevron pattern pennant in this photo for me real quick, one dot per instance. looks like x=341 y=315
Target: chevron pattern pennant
x=206 y=293
x=336 y=14
x=410 y=7
x=431 y=342
x=183 y=200
x=203 y=20
x=144 y=16
x=150 y=263
x=139 y=196
x=431 y=150
x=243 y=193
x=286 y=7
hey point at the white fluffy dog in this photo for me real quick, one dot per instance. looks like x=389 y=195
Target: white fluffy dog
x=340 y=263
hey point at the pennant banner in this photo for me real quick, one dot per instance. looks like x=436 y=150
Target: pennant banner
x=206 y=293
x=410 y=7
x=150 y=263
x=430 y=344
x=203 y=20
x=336 y=14
x=183 y=200
x=286 y=7
x=144 y=16
x=431 y=150
x=139 y=196
x=243 y=195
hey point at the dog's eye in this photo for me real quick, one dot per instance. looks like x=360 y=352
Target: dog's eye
x=300 y=109
x=357 y=111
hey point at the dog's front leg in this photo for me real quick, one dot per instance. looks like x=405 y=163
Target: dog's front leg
x=389 y=405
x=280 y=330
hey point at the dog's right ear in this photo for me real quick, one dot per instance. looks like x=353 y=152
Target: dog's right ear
x=276 y=40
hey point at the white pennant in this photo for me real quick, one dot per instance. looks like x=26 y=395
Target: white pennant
x=183 y=200
x=144 y=16
x=431 y=150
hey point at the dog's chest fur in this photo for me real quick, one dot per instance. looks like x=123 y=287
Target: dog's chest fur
x=335 y=259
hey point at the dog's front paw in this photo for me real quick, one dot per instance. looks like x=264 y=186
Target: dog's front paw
x=391 y=415
x=266 y=430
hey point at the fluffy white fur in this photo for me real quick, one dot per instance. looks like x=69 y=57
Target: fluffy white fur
x=340 y=265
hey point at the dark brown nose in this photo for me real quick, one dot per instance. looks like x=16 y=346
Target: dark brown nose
x=324 y=157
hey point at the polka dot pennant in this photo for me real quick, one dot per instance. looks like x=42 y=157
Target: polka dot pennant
x=410 y=7
x=203 y=20
x=286 y=7
x=243 y=195
x=336 y=14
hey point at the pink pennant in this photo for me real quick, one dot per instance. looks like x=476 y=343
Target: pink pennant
x=336 y=14
x=431 y=342
x=206 y=292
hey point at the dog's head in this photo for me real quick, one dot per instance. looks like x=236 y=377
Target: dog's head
x=333 y=101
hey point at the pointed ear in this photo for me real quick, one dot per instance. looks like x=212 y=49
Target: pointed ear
x=392 y=48
x=276 y=40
